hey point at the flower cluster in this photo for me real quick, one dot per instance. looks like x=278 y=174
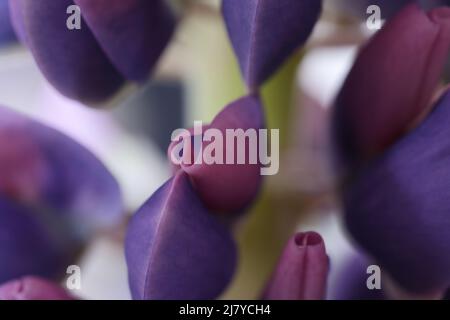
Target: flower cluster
x=389 y=131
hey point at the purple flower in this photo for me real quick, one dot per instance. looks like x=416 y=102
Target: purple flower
x=32 y=288
x=398 y=209
x=264 y=33
x=392 y=82
x=176 y=249
x=121 y=40
x=53 y=195
x=302 y=271
x=228 y=187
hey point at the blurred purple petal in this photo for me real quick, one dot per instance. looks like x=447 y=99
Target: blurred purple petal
x=302 y=271
x=352 y=281
x=28 y=245
x=392 y=81
x=229 y=187
x=32 y=288
x=7 y=34
x=47 y=170
x=133 y=33
x=175 y=249
x=264 y=33
x=71 y=60
x=398 y=207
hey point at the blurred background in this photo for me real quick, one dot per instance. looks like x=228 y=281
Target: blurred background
x=197 y=76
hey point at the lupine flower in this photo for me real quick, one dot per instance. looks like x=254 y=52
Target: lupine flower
x=264 y=33
x=405 y=224
x=228 y=187
x=32 y=288
x=176 y=249
x=6 y=31
x=387 y=90
x=53 y=195
x=302 y=271
x=121 y=40
x=396 y=205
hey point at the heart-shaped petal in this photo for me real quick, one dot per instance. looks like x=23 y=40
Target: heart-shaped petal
x=133 y=33
x=176 y=249
x=33 y=288
x=71 y=60
x=228 y=187
x=264 y=33
x=392 y=82
x=47 y=170
x=398 y=207
x=302 y=271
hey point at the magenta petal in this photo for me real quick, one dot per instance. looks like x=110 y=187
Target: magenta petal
x=49 y=171
x=264 y=33
x=176 y=249
x=71 y=60
x=302 y=270
x=392 y=81
x=229 y=187
x=133 y=33
x=32 y=288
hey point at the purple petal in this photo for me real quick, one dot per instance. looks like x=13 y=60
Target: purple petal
x=6 y=30
x=175 y=249
x=264 y=33
x=133 y=33
x=47 y=170
x=32 y=288
x=29 y=246
x=392 y=81
x=229 y=187
x=71 y=60
x=302 y=271
x=352 y=281
x=398 y=207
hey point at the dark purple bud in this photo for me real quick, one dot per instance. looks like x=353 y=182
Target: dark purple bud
x=32 y=288
x=133 y=33
x=264 y=33
x=71 y=60
x=302 y=271
x=228 y=187
x=392 y=81
x=47 y=170
x=398 y=207
x=6 y=30
x=175 y=249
